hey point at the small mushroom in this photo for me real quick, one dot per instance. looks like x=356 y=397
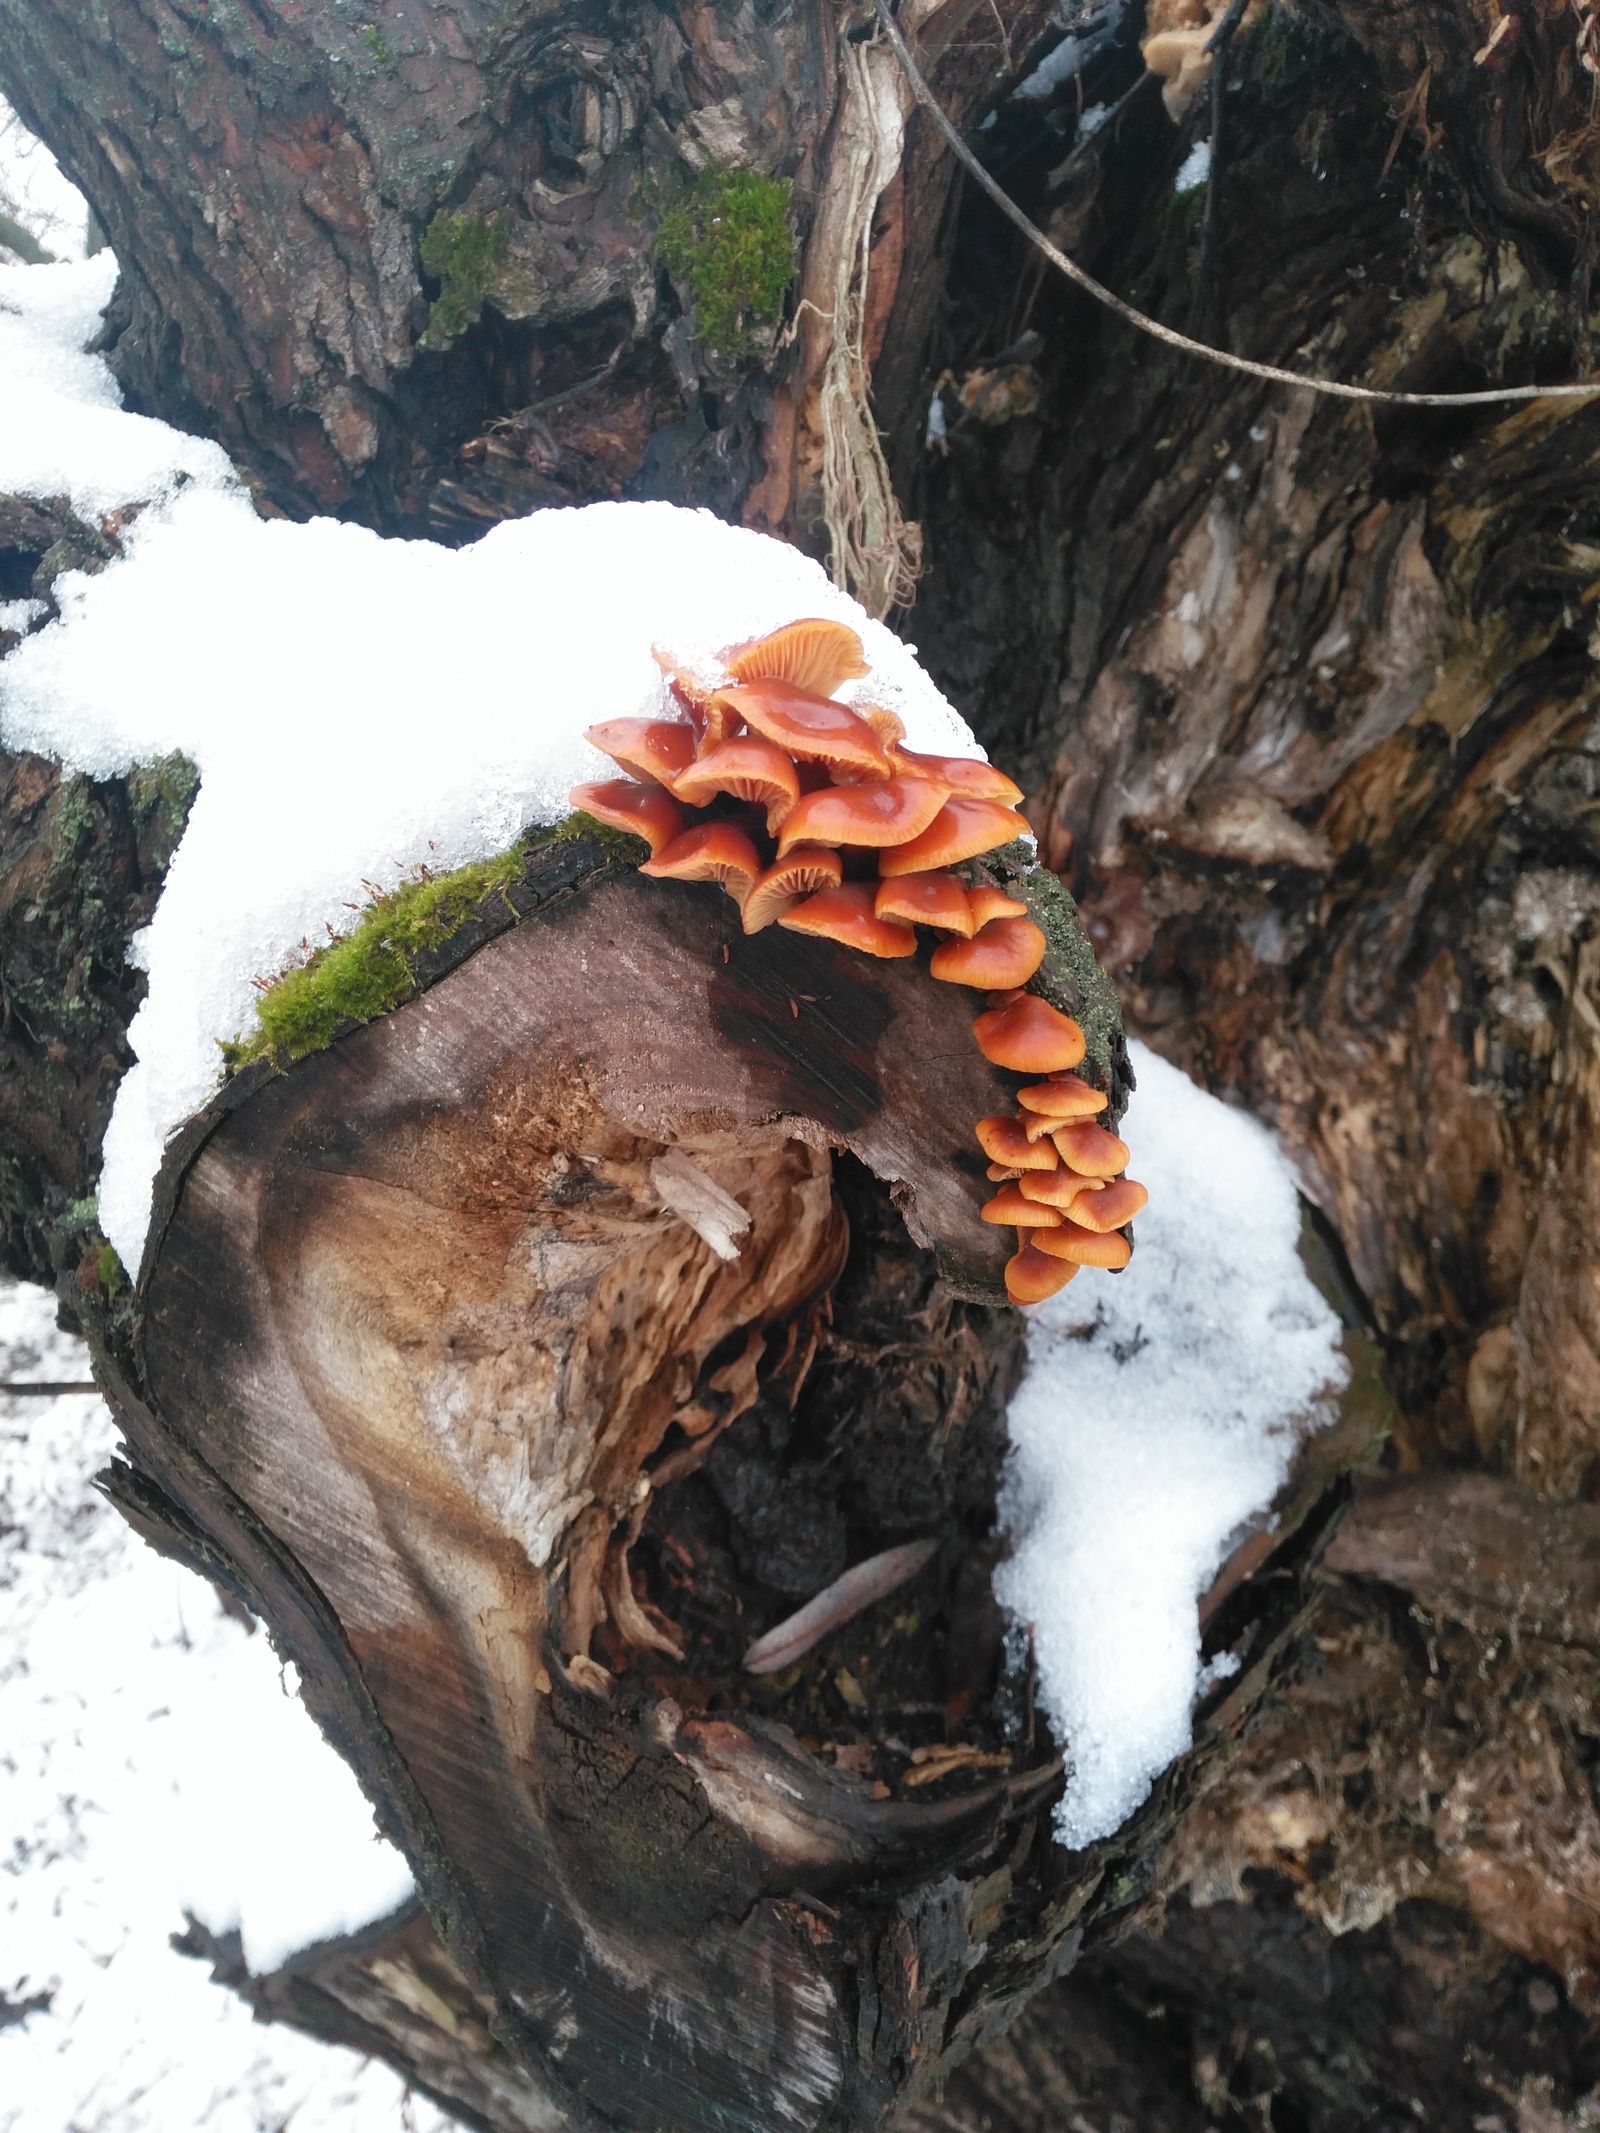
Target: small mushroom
x=1064 y=1098
x=645 y=811
x=1091 y=1151
x=968 y=775
x=927 y=900
x=986 y=902
x=807 y=726
x=813 y=655
x=1063 y=1190
x=889 y=726
x=846 y=915
x=654 y=749
x=1004 y=1140
x=962 y=829
x=748 y=768
x=1030 y=1037
x=1112 y=1207
x=1031 y=1276
x=693 y=695
x=1009 y=1205
x=1085 y=1247
x=886 y=812
x=807 y=868
x=1006 y=951
x=714 y=851
x=998 y=1174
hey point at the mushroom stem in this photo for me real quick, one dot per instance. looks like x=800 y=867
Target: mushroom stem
x=835 y=1605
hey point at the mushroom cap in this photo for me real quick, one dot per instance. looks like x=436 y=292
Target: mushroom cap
x=986 y=902
x=1010 y=1205
x=926 y=900
x=645 y=811
x=1030 y=1037
x=968 y=775
x=1085 y=1247
x=1091 y=1151
x=812 y=654
x=846 y=915
x=808 y=726
x=1003 y=1140
x=889 y=726
x=1064 y=1189
x=710 y=724
x=1112 y=1207
x=1006 y=951
x=887 y=811
x=747 y=767
x=962 y=829
x=807 y=868
x=1065 y=1098
x=654 y=749
x=712 y=851
x=1031 y=1276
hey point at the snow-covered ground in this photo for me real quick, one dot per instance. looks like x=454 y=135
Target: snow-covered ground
x=153 y=1760
x=35 y=194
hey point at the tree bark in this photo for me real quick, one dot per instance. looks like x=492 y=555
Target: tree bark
x=1303 y=696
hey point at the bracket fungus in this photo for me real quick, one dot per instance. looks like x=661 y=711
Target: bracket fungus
x=829 y=784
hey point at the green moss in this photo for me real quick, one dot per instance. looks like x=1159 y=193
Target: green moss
x=465 y=254
x=377 y=44
x=372 y=969
x=730 y=241
x=619 y=844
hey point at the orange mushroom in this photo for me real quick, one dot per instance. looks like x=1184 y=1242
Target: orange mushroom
x=1112 y=1207
x=807 y=868
x=715 y=851
x=807 y=726
x=1030 y=1037
x=1012 y=1206
x=986 y=902
x=927 y=900
x=748 y=768
x=968 y=775
x=889 y=726
x=1003 y=1140
x=693 y=694
x=846 y=915
x=642 y=810
x=1031 y=1276
x=962 y=829
x=654 y=749
x=888 y=811
x=1006 y=951
x=997 y=1173
x=1064 y=1189
x=813 y=655
x=1066 y=1099
x=1091 y=1151
x=1085 y=1247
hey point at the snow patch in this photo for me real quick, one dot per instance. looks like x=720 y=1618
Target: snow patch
x=34 y=192
x=1158 y=1416
x=1194 y=169
x=355 y=706
x=152 y=1761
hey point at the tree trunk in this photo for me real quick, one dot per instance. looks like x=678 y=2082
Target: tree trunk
x=1303 y=696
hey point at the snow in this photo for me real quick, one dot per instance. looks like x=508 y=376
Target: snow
x=34 y=192
x=356 y=706
x=1156 y=1420
x=153 y=1760
x=1194 y=170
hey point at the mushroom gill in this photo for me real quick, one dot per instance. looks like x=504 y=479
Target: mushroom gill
x=746 y=768
x=714 y=851
x=813 y=655
x=807 y=868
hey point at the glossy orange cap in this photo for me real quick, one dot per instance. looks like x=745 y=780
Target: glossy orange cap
x=654 y=749
x=807 y=726
x=986 y=902
x=1004 y=1141
x=1007 y=951
x=1085 y=1247
x=1064 y=1100
x=1091 y=1151
x=846 y=915
x=962 y=829
x=1112 y=1207
x=1011 y=1205
x=887 y=811
x=927 y=900
x=1030 y=1037
x=645 y=811
x=1031 y=1276
x=1063 y=1189
x=965 y=774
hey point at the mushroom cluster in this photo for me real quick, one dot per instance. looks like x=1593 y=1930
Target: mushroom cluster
x=815 y=816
